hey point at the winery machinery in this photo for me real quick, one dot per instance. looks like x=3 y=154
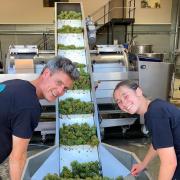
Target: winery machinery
x=77 y=112
x=26 y=59
x=26 y=62
x=111 y=65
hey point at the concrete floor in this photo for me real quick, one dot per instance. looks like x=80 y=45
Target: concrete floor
x=139 y=146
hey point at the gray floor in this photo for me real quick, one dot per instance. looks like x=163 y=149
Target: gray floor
x=138 y=146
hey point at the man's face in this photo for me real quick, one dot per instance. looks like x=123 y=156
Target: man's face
x=128 y=99
x=55 y=85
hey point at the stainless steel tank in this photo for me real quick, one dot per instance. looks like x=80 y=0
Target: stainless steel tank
x=141 y=49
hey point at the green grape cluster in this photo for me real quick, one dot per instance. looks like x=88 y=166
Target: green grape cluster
x=66 y=173
x=78 y=134
x=69 y=47
x=83 y=82
x=119 y=178
x=79 y=65
x=81 y=170
x=75 y=106
x=52 y=177
x=70 y=15
x=69 y=29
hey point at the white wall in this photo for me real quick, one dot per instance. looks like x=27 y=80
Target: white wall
x=33 y=12
x=91 y=6
x=154 y=16
x=25 y=12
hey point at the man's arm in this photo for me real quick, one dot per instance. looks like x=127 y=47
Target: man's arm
x=137 y=168
x=17 y=157
x=168 y=163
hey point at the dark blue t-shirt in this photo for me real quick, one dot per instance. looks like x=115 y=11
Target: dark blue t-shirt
x=19 y=113
x=162 y=119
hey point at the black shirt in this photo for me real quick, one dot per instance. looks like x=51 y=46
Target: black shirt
x=19 y=113
x=162 y=119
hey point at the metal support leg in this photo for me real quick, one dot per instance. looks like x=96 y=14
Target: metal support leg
x=112 y=33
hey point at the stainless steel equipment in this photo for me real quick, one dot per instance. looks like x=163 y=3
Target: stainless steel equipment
x=155 y=79
x=15 y=49
x=111 y=65
x=20 y=52
x=24 y=53
x=141 y=49
x=155 y=56
x=109 y=48
x=38 y=59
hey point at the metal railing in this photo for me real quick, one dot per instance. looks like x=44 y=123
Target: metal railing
x=104 y=12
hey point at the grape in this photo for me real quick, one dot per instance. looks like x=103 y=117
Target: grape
x=69 y=29
x=68 y=47
x=76 y=134
x=70 y=15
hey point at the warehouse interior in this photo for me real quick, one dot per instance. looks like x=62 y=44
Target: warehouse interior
x=123 y=40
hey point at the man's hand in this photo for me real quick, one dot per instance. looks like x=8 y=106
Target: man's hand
x=137 y=168
x=17 y=157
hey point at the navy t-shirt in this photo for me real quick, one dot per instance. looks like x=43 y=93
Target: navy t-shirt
x=19 y=113
x=162 y=119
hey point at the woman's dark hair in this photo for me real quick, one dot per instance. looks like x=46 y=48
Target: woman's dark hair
x=130 y=84
x=59 y=63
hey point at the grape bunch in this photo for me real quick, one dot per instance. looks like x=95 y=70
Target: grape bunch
x=84 y=80
x=78 y=134
x=79 y=65
x=75 y=106
x=69 y=47
x=69 y=29
x=67 y=174
x=81 y=170
x=70 y=15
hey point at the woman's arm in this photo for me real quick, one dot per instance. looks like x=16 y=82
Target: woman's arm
x=137 y=168
x=168 y=163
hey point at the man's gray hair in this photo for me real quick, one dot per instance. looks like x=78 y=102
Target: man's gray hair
x=59 y=63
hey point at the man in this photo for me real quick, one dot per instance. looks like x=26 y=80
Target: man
x=163 y=122
x=20 y=109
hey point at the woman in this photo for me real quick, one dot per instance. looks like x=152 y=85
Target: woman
x=162 y=119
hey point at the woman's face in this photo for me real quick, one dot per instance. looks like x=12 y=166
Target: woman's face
x=128 y=99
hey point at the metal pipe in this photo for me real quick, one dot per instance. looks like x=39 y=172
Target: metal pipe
x=177 y=26
x=135 y=8
x=104 y=13
x=1 y=50
x=129 y=8
x=4 y=32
